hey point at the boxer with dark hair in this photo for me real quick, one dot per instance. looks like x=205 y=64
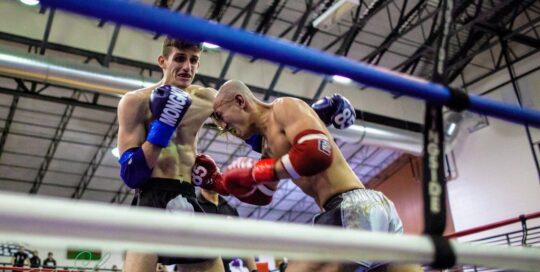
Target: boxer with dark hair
x=157 y=139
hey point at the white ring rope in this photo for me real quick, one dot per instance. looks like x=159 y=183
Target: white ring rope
x=50 y=222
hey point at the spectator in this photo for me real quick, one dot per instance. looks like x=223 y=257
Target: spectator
x=50 y=262
x=20 y=258
x=35 y=261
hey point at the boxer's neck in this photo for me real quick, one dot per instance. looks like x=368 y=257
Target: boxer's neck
x=262 y=111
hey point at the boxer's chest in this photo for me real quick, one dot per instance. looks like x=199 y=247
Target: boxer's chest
x=275 y=144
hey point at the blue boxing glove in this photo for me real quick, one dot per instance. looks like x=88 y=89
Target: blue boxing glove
x=336 y=110
x=168 y=105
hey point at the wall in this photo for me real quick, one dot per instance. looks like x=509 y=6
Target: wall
x=403 y=187
x=497 y=178
x=497 y=174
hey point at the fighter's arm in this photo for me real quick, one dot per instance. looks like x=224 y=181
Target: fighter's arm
x=206 y=98
x=138 y=156
x=311 y=152
x=131 y=128
x=332 y=110
x=255 y=181
x=202 y=108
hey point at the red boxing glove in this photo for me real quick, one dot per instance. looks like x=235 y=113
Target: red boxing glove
x=243 y=178
x=261 y=196
x=206 y=174
x=310 y=154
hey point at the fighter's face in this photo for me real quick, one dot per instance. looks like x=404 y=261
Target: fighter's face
x=230 y=117
x=180 y=67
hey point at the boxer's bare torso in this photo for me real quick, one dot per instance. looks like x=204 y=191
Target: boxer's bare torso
x=339 y=177
x=175 y=161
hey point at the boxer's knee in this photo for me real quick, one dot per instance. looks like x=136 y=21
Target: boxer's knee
x=140 y=262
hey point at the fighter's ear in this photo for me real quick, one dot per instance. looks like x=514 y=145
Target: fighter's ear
x=162 y=62
x=240 y=100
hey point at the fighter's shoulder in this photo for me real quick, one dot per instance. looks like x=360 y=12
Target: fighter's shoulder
x=284 y=104
x=285 y=108
x=135 y=99
x=202 y=92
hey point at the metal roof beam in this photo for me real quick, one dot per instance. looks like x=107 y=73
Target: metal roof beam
x=104 y=147
x=7 y=123
x=53 y=145
x=403 y=26
x=230 y=57
x=511 y=35
x=504 y=13
x=270 y=90
x=112 y=44
x=47 y=31
x=61 y=100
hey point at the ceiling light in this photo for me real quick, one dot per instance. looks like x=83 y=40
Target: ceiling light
x=30 y=2
x=341 y=79
x=210 y=46
x=115 y=152
x=450 y=129
x=453 y=121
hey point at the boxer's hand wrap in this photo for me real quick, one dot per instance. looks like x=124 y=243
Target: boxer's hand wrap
x=310 y=154
x=336 y=110
x=206 y=174
x=133 y=168
x=168 y=105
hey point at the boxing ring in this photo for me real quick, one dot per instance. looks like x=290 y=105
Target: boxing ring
x=179 y=25
x=45 y=222
x=52 y=222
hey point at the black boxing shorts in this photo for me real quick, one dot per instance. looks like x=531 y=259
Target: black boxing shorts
x=172 y=195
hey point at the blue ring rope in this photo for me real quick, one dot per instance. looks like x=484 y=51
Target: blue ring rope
x=198 y=30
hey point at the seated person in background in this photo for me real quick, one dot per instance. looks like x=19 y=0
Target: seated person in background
x=50 y=262
x=213 y=203
x=35 y=261
x=20 y=258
